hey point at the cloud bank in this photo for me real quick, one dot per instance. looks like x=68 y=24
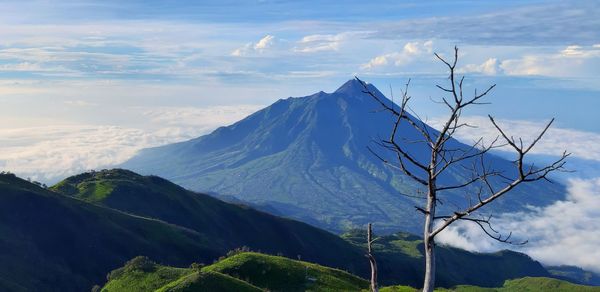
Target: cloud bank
x=50 y=153
x=564 y=233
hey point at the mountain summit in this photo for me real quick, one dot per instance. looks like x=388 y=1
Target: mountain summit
x=307 y=158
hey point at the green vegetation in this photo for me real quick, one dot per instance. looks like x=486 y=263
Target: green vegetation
x=64 y=244
x=245 y=271
x=141 y=274
x=571 y=273
x=228 y=226
x=208 y=281
x=528 y=284
x=276 y=273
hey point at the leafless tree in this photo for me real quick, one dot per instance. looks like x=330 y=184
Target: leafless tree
x=485 y=184
x=372 y=261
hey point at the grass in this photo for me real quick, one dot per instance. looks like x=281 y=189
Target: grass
x=246 y=271
x=528 y=284
x=208 y=281
x=276 y=273
x=149 y=277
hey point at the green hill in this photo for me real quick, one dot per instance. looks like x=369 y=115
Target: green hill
x=141 y=274
x=276 y=273
x=50 y=242
x=228 y=226
x=248 y=271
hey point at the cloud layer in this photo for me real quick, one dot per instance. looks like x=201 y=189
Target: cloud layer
x=564 y=233
x=51 y=153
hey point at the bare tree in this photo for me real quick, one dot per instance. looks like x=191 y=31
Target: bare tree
x=485 y=183
x=372 y=261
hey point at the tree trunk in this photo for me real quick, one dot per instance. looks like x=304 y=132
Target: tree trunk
x=429 y=282
x=374 y=287
x=428 y=240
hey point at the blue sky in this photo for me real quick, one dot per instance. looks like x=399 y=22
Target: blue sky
x=544 y=54
x=85 y=84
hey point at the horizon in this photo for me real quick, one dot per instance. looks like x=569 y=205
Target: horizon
x=87 y=84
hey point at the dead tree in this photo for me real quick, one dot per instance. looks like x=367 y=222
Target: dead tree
x=485 y=184
x=372 y=261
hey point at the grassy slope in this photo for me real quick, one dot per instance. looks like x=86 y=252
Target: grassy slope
x=529 y=284
x=276 y=273
x=58 y=243
x=209 y=281
x=141 y=274
x=249 y=271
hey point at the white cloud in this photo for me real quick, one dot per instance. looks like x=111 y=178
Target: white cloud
x=581 y=144
x=258 y=47
x=408 y=54
x=50 y=153
x=264 y=43
x=564 y=233
x=80 y=103
x=489 y=67
x=572 y=61
x=327 y=42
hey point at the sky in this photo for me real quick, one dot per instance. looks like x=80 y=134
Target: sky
x=86 y=84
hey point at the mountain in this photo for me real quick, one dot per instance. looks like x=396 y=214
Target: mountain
x=575 y=274
x=307 y=158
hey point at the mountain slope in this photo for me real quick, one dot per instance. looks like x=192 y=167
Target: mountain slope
x=49 y=242
x=227 y=226
x=307 y=158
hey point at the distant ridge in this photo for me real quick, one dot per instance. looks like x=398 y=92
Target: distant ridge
x=307 y=158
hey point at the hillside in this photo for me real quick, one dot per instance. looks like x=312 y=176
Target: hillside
x=307 y=158
x=576 y=274
x=400 y=259
x=250 y=271
x=54 y=243
x=257 y=272
x=527 y=284
x=228 y=226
